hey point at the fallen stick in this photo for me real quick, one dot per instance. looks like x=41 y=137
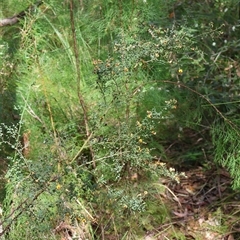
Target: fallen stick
x=15 y=18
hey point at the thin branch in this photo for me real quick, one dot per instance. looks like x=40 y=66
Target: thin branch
x=77 y=62
x=23 y=206
x=179 y=84
x=16 y=18
x=233 y=125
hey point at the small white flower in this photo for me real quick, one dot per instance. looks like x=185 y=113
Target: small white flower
x=214 y=44
x=226 y=9
x=225 y=41
x=233 y=28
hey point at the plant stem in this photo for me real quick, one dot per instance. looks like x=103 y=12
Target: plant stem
x=77 y=62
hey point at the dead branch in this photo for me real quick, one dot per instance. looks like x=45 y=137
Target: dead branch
x=15 y=18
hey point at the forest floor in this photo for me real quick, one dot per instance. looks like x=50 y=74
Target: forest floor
x=203 y=206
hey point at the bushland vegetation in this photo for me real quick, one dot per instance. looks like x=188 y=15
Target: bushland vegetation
x=103 y=102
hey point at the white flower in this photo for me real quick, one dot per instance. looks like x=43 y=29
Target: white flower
x=214 y=44
x=233 y=28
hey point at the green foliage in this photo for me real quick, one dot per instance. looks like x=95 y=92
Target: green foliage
x=99 y=125
x=225 y=139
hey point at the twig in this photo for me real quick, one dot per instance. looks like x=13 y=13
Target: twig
x=83 y=146
x=31 y=112
x=86 y=211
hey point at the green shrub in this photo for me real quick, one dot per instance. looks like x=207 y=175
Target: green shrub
x=96 y=165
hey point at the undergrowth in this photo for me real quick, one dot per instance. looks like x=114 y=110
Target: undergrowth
x=101 y=95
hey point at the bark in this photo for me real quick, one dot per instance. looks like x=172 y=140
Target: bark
x=14 y=19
